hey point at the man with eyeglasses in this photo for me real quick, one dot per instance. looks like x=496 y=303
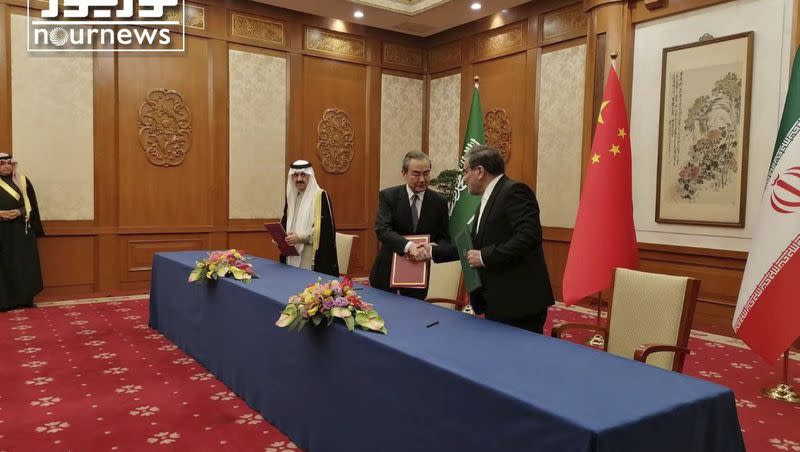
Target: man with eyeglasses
x=508 y=245
x=20 y=272
x=411 y=209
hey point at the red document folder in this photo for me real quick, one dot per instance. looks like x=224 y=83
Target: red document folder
x=279 y=236
x=410 y=274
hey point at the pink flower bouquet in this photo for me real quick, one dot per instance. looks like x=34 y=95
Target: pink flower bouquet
x=220 y=264
x=323 y=302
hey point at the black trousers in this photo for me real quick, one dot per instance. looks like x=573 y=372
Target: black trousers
x=534 y=323
x=419 y=294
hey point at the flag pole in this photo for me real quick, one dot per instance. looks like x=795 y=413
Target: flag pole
x=462 y=290
x=598 y=340
x=783 y=391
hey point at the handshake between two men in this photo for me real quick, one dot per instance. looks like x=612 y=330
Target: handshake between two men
x=420 y=252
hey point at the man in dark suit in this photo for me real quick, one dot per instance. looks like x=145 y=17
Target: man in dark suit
x=411 y=209
x=508 y=245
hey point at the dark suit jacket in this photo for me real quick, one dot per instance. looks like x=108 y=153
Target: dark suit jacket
x=394 y=221
x=515 y=279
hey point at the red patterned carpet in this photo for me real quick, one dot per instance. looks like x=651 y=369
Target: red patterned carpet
x=93 y=376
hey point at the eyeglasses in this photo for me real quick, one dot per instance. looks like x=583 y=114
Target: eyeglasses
x=6 y=163
x=467 y=169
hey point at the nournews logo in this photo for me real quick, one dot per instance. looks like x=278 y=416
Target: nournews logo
x=108 y=26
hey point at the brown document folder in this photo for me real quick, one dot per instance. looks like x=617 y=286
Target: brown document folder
x=410 y=274
x=279 y=236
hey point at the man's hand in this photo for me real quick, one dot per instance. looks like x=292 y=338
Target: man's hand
x=292 y=239
x=9 y=214
x=474 y=258
x=418 y=252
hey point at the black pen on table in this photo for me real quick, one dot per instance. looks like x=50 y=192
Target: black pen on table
x=432 y=324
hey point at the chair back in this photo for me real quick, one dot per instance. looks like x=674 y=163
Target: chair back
x=651 y=308
x=444 y=283
x=344 y=245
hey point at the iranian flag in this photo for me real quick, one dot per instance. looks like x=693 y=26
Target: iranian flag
x=767 y=314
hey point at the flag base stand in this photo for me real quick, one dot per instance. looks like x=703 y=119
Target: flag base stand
x=597 y=301
x=782 y=392
x=596 y=341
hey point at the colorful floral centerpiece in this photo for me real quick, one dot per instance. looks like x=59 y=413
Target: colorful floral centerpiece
x=323 y=302
x=220 y=264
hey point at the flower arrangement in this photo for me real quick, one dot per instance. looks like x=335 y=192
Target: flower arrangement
x=323 y=302
x=220 y=264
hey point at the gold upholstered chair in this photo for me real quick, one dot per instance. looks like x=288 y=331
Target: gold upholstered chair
x=344 y=245
x=444 y=284
x=649 y=313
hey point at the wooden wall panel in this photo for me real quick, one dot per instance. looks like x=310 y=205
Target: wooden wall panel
x=254 y=243
x=68 y=264
x=445 y=57
x=501 y=41
x=719 y=271
x=329 y=84
x=555 y=255
x=136 y=251
x=157 y=196
x=563 y=24
x=501 y=82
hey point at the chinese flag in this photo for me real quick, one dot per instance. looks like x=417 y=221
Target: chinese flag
x=604 y=236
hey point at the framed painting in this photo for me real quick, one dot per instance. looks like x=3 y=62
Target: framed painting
x=704 y=131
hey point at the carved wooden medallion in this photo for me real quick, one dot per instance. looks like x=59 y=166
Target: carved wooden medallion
x=497 y=126
x=165 y=131
x=335 y=143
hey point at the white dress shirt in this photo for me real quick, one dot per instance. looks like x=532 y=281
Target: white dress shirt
x=485 y=198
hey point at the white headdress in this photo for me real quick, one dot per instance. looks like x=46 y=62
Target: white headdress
x=14 y=166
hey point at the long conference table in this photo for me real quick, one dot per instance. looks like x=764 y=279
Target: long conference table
x=464 y=384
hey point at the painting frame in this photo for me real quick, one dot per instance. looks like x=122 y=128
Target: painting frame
x=703 y=173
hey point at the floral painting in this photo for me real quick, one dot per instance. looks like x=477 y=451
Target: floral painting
x=704 y=130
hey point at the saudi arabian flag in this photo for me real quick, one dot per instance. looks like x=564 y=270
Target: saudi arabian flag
x=767 y=314
x=464 y=204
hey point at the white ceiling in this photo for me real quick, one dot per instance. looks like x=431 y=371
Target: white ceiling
x=447 y=14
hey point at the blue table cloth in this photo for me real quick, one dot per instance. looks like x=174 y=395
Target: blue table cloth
x=465 y=384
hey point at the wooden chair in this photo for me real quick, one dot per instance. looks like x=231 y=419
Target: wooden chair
x=444 y=284
x=344 y=245
x=649 y=313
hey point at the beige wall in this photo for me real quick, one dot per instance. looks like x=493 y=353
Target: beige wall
x=558 y=177
x=771 y=22
x=257 y=134
x=52 y=126
x=444 y=144
x=401 y=124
